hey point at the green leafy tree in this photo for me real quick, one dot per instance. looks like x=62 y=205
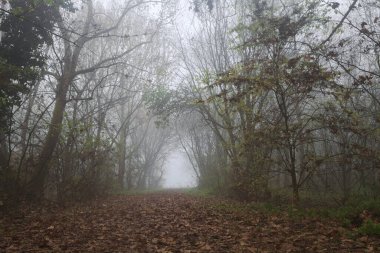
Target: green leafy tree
x=27 y=27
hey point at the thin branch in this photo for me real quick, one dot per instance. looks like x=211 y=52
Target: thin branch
x=352 y=6
x=101 y=63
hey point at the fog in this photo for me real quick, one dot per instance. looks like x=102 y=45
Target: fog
x=178 y=172
x=107 y=104
x=255 y=96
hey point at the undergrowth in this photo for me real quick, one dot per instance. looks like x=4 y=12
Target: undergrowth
x=360 y=215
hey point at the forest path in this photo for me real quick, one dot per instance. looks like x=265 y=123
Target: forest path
x=169 y=222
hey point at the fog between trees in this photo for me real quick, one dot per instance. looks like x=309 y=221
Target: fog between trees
x=262 y=97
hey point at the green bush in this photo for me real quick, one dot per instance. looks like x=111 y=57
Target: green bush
x=350 y=214
x=370 y=228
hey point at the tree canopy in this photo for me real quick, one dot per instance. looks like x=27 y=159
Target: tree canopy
x=27 y=28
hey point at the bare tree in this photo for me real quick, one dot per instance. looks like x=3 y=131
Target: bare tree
x=74 y=45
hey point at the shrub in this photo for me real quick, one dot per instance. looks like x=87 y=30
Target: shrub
x=370 y=228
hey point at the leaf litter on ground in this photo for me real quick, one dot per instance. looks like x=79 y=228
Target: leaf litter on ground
x=171 y=222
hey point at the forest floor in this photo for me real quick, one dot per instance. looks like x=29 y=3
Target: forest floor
x=171 y=222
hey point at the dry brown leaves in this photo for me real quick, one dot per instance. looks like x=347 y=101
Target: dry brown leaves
x=170 y=222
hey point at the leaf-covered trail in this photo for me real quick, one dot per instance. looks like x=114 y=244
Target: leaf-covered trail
x=170 y=222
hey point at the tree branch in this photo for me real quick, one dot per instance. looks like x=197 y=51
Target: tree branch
x=101 y=63
x=352 y=6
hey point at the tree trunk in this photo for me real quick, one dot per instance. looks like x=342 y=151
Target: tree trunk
x=4 y=163
x=70 y=62
x=4 y=156
x=293 y=173
x=25 y=123
x=122 y=156
x=67 y=171
x=295 y=187
x=52 y=138
x=129 y=176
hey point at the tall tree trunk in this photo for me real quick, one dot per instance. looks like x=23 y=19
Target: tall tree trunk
x=38 y=181
x=295 y=186
x=25 y=123
x=129 y=175
x=4 y=155
x=70 y=63
x=122 y=154
x=67 y=172
x=4 y=162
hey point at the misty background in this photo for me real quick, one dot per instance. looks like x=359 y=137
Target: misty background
x=252 y=99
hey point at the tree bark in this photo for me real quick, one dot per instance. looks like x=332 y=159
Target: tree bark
x=70 y=61
x=122 y=153
x=38 y=181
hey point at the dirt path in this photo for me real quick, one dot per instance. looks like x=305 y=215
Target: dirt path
x=170 y=222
